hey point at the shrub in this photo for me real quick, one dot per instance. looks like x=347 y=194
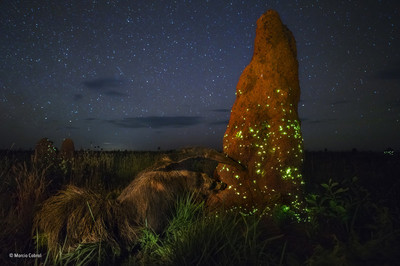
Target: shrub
x=348 y=228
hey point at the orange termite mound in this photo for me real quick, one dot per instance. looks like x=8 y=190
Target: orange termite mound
x=264 y=128
x=45 y=152
x=67 y=149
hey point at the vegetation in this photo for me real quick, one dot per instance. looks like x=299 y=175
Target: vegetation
x=354 y=217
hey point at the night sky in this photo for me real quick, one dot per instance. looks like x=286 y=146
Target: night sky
x=143 y=74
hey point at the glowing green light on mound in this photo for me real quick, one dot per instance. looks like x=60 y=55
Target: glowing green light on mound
x=266 y=138
x=239 y=135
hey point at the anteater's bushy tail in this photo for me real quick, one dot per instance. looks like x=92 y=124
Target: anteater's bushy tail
x=75 y=216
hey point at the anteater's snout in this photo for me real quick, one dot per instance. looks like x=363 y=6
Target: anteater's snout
x=222 y=186
x=217 y=185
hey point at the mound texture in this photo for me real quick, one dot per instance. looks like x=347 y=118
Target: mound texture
x=264 y=128
x=67 y=149
x=45 y=152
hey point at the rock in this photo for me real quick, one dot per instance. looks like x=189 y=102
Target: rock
x=264 y=128
x=67 y=149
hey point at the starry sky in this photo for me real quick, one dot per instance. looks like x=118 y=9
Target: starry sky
x=144 y=74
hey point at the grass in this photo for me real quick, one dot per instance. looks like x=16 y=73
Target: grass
x=24 y=188
x=76 y=216
x=106 y=170
x=194 y=237
x=353 y=221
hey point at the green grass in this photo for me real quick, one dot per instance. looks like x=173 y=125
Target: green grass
x=352 y=221
x=195 y=237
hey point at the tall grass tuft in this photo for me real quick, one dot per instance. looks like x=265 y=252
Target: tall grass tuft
x=194 y=237
x=75 y=216
x=78 y=225
x=27 y=187
x=106 y=170
x=31 y=187
x=94 y=253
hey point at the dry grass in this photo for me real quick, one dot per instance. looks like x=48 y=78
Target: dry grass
x=75 y=216
x=82 y=215
x=29 y=190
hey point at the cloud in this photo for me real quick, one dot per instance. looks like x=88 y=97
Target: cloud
x=113 y=93
x=391 y=72
x=78 y=97
x=157 y=121
x=102 y=83
x=217 y=123
x=103 y=86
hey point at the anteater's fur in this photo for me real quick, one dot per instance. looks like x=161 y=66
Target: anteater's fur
x=151 y=197
x=76 y=215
